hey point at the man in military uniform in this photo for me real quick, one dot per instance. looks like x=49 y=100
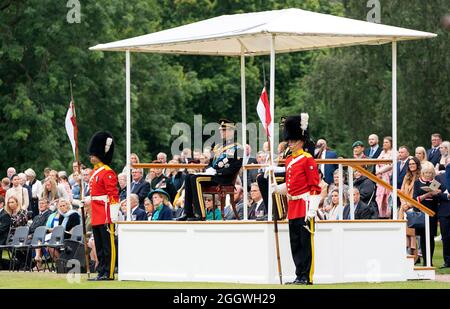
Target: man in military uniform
x=223 y=169
x=302 y=190
x=104 y=203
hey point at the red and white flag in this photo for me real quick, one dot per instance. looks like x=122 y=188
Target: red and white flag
x=263 y=109
x=71 y=128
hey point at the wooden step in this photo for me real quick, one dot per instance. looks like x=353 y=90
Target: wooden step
x=424 y=268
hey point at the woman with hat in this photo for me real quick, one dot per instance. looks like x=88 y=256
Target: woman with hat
x=160 y=200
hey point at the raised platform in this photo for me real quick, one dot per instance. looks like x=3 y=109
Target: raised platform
x=244 y=252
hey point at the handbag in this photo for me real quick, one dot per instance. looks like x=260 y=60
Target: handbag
x=416 y=219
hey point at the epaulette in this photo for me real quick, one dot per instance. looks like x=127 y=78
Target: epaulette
x=307 y=155
x=107 y=168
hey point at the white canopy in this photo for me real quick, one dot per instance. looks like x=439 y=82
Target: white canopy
x=294 y=30
x=264 y=33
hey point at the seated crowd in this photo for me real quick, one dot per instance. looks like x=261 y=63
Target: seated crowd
x=160 y=193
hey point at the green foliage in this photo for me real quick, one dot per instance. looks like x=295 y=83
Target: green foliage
x=347 y=91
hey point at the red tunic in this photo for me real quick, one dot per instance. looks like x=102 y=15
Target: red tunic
x=103 y=186
x=302 y=176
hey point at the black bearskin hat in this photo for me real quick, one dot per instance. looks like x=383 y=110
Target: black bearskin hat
x=296 y=128
x=102 y=146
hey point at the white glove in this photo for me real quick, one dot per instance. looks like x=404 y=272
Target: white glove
x=210 y=171
x=280 y=189
x=227 y=200
x=314 y=201
x=114 y=212
x=268 y=170
x=275 y=169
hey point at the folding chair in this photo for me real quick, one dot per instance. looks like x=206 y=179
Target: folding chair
x=36 y=243
x=77 y=233
x=18 y=239
x=56 y=241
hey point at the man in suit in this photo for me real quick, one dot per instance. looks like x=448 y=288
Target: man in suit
x=323 y=152
x=139 y=186
x=41 y=218
x=433 y=154
x=137 y=214
x=444 y=215
x=374 y=149
x=258 y=209
x=239 y=204
x=86 y=174
x=402 y=166
x=362 y=211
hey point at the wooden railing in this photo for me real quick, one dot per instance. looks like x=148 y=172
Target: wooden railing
x=354 y=163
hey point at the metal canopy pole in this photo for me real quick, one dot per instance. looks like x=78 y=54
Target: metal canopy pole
x=394 y=129
x=128 y=131
x=272 y=112
x=244 y=131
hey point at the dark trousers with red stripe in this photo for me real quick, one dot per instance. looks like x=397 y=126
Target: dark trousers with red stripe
x=300 y=239
x=105 y=249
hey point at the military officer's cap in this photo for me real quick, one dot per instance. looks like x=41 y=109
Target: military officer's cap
x=225 y=124
x=102 y=146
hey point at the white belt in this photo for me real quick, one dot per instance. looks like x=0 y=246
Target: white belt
x=304 y=196
x=103 y=198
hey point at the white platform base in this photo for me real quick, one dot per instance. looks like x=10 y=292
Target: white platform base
x=244 y=252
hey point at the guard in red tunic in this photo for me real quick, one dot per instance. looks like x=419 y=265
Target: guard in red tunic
x=302 y=190
x=104 y=203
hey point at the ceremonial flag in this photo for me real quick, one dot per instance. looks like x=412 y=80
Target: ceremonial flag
x=263 y=109
x=71 y=128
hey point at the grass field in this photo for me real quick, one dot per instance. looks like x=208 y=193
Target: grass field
x=34 y=280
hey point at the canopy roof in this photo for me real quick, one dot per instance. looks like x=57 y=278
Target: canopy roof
x=294 y=29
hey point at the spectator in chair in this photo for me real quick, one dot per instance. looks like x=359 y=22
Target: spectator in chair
x=430 y=200
x=412 y=175
x=52 y=192
x=239 y=202
x=40 y=220
x=366 y=189
x=361 y=210
x=331 y=210
x=211 y=213
x=258 y=210
x=163 y=182
x=18 y=215
x=160 y=200
x=149 y=209
x=137 y=214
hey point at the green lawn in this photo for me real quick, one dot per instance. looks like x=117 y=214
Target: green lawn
x=14 y=280
x=55 y=281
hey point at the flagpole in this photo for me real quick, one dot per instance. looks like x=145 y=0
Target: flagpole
x=271 y=141
x=83 y=215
